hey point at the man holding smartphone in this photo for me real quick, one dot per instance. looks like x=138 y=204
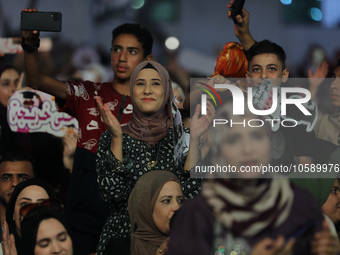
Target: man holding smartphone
x=84 y=208
x=266 y=61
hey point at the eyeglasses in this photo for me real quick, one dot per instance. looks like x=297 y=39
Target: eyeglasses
x=48 y=203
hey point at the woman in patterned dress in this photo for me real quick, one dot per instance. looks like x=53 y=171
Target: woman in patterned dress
x=145 y=144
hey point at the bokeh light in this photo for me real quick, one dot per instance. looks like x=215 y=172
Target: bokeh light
x=172 y=43
x=316 y=14
x=137 y=4
x=286 y=2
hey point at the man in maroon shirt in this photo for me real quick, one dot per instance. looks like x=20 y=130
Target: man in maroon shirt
x=84 y=208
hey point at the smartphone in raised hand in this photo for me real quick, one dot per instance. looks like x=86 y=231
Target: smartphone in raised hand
x=236 y=9
x=41 y=21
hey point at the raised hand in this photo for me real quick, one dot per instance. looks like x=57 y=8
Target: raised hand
x=218 y=79
x=241 y=29
x=109 y=119
x=316 y=78
x=113 y=126
x=320 y=73
x=325 y=243
x=243 y=20
x=70 y=143
x=198 y=126
x=8 y=245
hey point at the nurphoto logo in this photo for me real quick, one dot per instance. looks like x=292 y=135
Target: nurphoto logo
x=238 y=100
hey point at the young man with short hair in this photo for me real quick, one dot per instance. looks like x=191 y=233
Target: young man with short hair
x=266 y=61
x=15 y=167
x=84 y=208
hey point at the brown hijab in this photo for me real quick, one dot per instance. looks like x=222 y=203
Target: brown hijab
x=151 y=128
x=146 y=238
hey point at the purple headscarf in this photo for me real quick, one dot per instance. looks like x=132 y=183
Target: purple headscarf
x=151 y=128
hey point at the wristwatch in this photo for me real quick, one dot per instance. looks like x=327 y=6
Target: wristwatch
x=29 y=48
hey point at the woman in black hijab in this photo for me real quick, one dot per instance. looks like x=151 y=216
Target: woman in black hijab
x=30 y=191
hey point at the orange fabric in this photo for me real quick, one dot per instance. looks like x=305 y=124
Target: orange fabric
x=231 y=62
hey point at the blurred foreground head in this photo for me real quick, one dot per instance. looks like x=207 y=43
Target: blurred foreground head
x=231 y=62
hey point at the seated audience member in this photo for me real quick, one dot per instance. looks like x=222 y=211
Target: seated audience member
x=328 y=124
x=43 y=230
x=239 y=211
x=327 y=193
x=327 y=127
x=15 y=167
x=161 y=192
x=145 y=144
x=9 y=141
x=152 y=203
x=9 y=80
x=27 y=192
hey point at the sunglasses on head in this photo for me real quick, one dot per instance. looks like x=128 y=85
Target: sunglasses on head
x=48 y=203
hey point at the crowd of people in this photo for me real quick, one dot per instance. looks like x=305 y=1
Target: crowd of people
x=131 y=189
